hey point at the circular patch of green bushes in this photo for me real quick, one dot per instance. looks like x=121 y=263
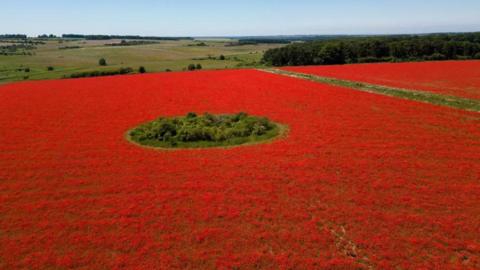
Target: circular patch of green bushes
x=205 y=131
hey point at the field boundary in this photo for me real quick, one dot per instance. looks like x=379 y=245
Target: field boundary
x=416 y=95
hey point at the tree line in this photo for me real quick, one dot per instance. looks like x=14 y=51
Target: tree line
x=14 y=36
x=99 y=73
x=242 y=42
x=45 y=36
x=131 y=43
x=108 y=37
x=399 y=48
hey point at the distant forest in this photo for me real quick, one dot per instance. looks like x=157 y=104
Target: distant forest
x=345 y=50
x=108 y=37
x=13 y=36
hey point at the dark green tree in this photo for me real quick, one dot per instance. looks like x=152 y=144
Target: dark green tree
x=102 y=62
x=341 y=50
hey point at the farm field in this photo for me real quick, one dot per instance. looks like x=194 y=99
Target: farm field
x=68 y=56
x=453 y=78
x=361 y=180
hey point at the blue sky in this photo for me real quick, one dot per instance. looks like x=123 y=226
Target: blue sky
x=241 y=17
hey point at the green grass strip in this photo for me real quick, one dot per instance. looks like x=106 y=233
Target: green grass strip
x=421 y=96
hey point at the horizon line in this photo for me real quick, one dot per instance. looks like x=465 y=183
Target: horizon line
x=264 y=35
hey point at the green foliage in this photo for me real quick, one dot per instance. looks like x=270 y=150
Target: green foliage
x=330 y=55
x=198 y=66
x=97 y=73
x=191 y=115
x=191 y=67
x=50 y=68
x=27 y=69
x=436 y=57
x=44 y=36
x=13 y=36
x=125 y=43
x=102 y=62
x=142 y=69
x=222 y=57
x=204 y=131
x=70 y=48
x=376 y=49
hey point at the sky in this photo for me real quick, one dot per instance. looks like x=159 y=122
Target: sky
x=238 y=18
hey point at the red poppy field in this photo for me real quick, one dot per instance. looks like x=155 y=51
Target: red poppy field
x=454 y=78
x=361 y=180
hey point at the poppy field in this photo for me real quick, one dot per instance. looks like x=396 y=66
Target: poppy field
x=361 y=181
x=453 y=78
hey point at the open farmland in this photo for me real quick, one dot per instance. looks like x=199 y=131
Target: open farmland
x=67 y=56
x=453 y=78
x=361 y=180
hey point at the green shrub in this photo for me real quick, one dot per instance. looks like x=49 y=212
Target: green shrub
x=50 y=68
x=142 y=69
x=198 y=67
x=191 y=67
x=97 y=73
x=191 y=115
x=210 y=130
x=102 y=62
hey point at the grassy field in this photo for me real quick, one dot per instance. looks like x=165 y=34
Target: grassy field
x=158 y=57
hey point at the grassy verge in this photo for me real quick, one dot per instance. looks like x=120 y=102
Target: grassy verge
x=443 y=100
